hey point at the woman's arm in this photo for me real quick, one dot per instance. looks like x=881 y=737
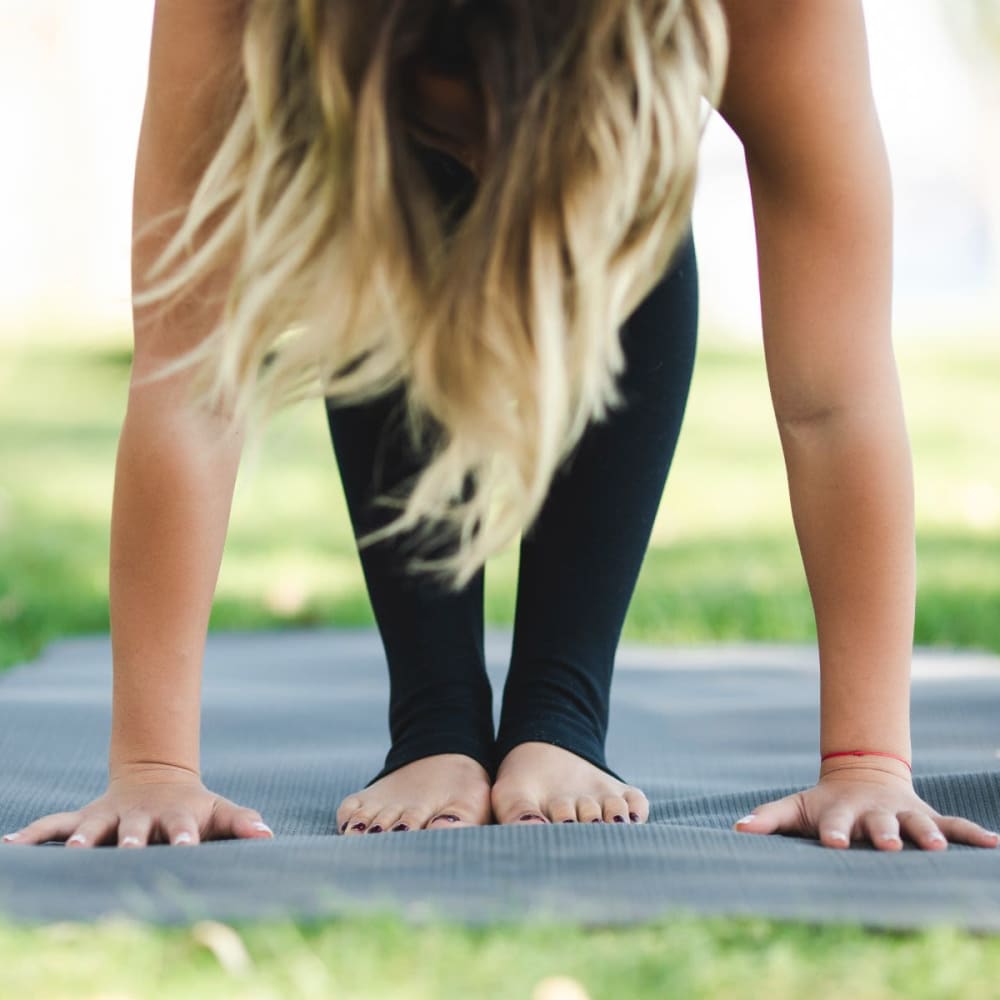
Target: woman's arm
x=798 y=95
x=175 y=472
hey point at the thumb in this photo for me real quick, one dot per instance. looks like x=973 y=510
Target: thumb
x=232 y=820
x=781 y=816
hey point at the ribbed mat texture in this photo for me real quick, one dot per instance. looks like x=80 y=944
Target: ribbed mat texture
x=294 y=721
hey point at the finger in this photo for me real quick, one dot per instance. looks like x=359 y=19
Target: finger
x=963 y=831
x=58 y=826
x=835 y=826
x=922 y=830
x=93 y=831
x=180 y=829
x=134 y=830
x=638 y=805
x=780 y=816
x=231 y=820
x=882 y=828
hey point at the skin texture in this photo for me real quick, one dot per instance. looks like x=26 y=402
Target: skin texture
x=798 y=96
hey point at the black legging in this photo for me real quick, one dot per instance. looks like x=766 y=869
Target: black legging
x=578 y=563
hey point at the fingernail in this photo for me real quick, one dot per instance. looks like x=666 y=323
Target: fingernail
x=344 y=826
x=129 y=840
x=569 y=820
x=11 y=836
x=359 y=826
x=530 y=816
x=375 y=829
x=634 y=817
x=450 y=818
x=989 y=833
x=837 y=835
x=619 y=819
x=77 y=838
x=595 y=821
x=183 y=838
x=400 y=826
x=749 y=818
x=937 y=836
x=887 y=836
x=263 y=827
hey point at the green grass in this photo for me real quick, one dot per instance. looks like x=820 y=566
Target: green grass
x=381 y=957
x=723 y=564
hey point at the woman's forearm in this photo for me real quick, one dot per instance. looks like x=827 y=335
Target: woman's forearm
x=173 y=490
x=851 y=488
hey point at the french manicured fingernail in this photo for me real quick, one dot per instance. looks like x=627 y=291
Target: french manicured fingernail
x=264 y=828
x=11 y=836
x=837 y=835
x=634 y=817
x=749 y=818
x=183 y=838
x=77 y=838
x=937 y=836
x=400 y=826
x=989 y=833
x=887 y=836
x=129 y=842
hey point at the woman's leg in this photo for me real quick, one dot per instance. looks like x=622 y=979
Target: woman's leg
x=440 y=697
x=580 y=560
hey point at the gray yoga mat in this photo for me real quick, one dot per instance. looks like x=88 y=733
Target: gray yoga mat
x=294 y=721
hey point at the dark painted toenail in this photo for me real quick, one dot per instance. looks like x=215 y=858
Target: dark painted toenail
x=569 y=820
x=595 y=821
x=619 y=819
x=448 y=816
x=634 y=817
x=530 y=816
x=401 y=826
x=375 y=829
x=344 y=827
x=358 y=826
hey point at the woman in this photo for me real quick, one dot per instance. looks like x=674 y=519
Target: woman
x=466 y=226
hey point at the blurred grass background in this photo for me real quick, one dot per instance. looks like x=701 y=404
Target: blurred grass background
x=723 y=562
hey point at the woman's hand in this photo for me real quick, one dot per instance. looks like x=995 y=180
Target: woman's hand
x=852 y=802
x=158 y=804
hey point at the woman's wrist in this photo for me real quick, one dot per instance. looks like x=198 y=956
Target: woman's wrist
x=861 y=762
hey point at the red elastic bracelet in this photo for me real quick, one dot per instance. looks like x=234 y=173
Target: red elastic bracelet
x=865 y=753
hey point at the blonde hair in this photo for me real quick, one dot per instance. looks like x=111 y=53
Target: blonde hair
x=503 y=325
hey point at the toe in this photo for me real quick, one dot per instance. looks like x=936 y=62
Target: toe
x=410 y=819
x=615 y=809
x=358 y=822
x=384 y=820
x=638 y=805
x=444 y=819
x=562 y=810
x=346 y=811
x=523 y=811
x=588 y=810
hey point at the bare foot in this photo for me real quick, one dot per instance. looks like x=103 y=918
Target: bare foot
x=542 y=783
x=445 y=790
